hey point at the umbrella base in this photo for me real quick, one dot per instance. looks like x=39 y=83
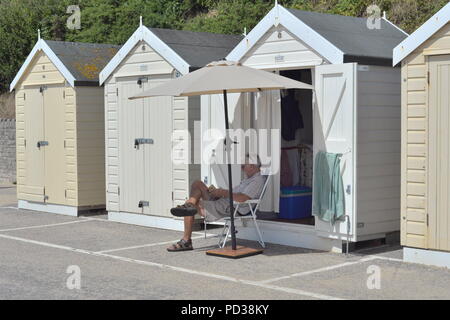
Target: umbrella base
x=240 y=252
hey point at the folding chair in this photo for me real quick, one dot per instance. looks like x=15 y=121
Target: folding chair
x=253 y=205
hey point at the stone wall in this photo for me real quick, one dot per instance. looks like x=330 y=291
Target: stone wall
x=7 y=150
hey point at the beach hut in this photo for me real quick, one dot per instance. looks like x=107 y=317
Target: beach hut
x=425 y=213
x=355 y=112
x=60 y=127
x=146 y=140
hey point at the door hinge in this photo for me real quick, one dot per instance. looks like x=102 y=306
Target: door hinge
x=428 y=77
x=143 y=204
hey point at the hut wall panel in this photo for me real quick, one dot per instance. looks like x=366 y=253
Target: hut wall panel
x=378 y=152
x=42 y=71
x=70 y=137
x=90 y=145
x=271 y=50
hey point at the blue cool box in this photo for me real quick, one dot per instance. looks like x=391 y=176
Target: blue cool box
x=295 y=202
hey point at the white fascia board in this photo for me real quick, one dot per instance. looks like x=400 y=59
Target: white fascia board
x=310 y=37
x=144 y=34
x=418 y=37
x=395 y=26
x=279 y=15
x=120 y=55
x=41 y=45
x=165 y=51
x=253 y=36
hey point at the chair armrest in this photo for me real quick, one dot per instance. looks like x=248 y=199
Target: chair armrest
x=252 y=201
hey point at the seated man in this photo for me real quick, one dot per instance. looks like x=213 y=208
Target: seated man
x=214 y=204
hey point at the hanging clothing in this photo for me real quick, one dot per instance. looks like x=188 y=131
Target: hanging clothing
x=294 y=164
x=328 y=190
x=291 y=118
x=286 y=173
x=306 y=165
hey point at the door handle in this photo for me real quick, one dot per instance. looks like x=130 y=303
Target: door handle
x=42 y=144
x=139 y=141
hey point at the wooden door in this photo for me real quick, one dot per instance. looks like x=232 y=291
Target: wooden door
x=439 y=152
x=131 y=155
x=157 y=116
x=34 y=155
x=55 y=156
x=334 y=132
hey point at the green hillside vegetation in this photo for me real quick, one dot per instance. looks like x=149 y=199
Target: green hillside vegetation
x=113 y=21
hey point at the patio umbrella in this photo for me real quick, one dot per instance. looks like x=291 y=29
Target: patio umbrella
x=224 y=77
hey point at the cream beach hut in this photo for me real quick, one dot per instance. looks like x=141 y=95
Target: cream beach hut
x=425 y=213
x=60 y=127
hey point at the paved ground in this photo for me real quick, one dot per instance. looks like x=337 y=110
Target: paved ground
x=119 y=261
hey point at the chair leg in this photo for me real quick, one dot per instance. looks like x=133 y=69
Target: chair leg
x=261 y=241
x=225 y=227
x=226 y=236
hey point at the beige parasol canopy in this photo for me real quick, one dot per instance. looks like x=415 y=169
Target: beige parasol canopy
x=223 y=75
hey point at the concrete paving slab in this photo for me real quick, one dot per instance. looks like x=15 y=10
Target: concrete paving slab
x=15 y=218
x=398 y=281
x=31 y=271
x=276 y=260
x=8 y=196
x=389 y=251
x=99 y=235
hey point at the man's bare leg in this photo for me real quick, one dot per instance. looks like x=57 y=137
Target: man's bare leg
x=198 y=191
x=189 y=223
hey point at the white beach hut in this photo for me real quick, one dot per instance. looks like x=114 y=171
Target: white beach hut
x=355 y=111
x=142 y=183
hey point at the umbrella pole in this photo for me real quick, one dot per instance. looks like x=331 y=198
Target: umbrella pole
x=230 y=182
x=235 y=252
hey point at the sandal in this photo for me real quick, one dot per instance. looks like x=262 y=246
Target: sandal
x=184 y=210
x=181 y=245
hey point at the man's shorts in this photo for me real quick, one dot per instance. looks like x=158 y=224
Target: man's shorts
x=216 y=209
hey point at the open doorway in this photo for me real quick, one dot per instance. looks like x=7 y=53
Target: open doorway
x=296 y=167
